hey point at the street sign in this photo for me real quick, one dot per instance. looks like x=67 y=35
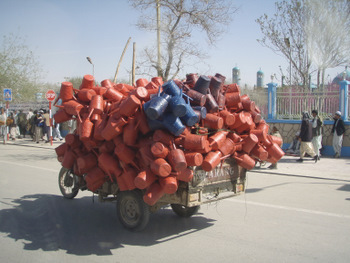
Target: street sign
x=50 y=95
x=8 y=94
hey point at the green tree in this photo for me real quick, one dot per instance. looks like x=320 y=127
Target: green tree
x=19 y=69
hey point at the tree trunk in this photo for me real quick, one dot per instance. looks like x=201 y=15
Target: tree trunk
x=318 y=78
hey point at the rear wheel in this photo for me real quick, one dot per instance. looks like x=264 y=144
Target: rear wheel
x=68 y=183
x=184 y=211
x=132 y=211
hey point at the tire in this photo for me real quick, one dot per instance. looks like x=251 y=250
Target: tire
x=68 y=183
x=184 y=211
x=132 y=211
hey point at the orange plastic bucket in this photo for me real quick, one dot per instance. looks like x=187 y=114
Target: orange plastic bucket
x=217 y=139
x=212 y=121
x=228 y=147
x=185 y=175
x=159 y=150
x=160 y=167
x=169 y=184
x=88 y=82
x=129 y=106
x=153 y=194
x=144 y=179
x=211 y=160
x=194 y=158
x=177 y=160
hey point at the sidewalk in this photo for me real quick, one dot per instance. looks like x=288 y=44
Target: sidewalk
x=326 y=168
x=28 y=142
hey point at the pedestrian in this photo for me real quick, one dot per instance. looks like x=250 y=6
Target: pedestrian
x=338 y=132
x=46 y=117
x=30 y=117
x=56 y=131
x=305 y=138
x=31 y=124
x=3 y=128
x=38 y=126
x=11 y=123
x=276 y=133
x=317 y=125
x=16 y=131
x=22 y=122
x=30 y=114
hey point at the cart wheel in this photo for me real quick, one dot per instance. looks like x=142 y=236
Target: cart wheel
x=184 y=211
x=68 y=183
x=132 y=211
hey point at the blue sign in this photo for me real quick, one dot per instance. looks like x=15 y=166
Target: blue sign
x=8 y=94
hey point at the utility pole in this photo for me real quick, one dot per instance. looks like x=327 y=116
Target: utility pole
x=133 y=63
x=159 y=61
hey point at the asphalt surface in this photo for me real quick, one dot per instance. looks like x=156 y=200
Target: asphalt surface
x=299 y=212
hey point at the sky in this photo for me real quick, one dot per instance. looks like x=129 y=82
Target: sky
x=62 y=33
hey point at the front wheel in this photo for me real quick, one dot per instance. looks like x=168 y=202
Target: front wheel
x=132 y=211
x=184 y=211
x=68 y=183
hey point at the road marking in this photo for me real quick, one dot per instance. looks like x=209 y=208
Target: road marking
x=289 y=208
x=31 y=166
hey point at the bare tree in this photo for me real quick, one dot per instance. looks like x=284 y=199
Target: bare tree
x=19 y=69
x=310 y=34
x=327 y=26
x=181 y=23
x=283 y=33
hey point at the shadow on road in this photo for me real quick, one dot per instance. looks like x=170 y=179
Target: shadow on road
x=81 y=227
x=345 y=187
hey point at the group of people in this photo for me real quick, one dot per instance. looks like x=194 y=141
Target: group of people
x=35 y=124
x=310 y=135
x=309 y=139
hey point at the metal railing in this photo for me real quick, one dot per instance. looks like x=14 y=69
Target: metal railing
x=290 y=105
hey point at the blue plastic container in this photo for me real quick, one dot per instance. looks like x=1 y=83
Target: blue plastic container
x=157 y=106
x=171 y=88
x=173 y=124
x=178 y=106
x=191 y=118
x=200 y=111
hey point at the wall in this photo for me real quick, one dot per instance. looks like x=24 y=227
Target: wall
x=288 y=129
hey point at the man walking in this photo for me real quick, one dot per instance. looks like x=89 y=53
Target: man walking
x=317 y=124
x=22 y=122
x=338 y=131
x=305 y=138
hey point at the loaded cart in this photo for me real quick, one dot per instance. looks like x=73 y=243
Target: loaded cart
x=151 y=144
x=224 y=181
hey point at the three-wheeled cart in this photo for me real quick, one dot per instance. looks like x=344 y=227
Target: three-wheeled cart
x=226 y=180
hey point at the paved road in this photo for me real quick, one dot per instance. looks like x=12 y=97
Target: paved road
x=298 y=213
